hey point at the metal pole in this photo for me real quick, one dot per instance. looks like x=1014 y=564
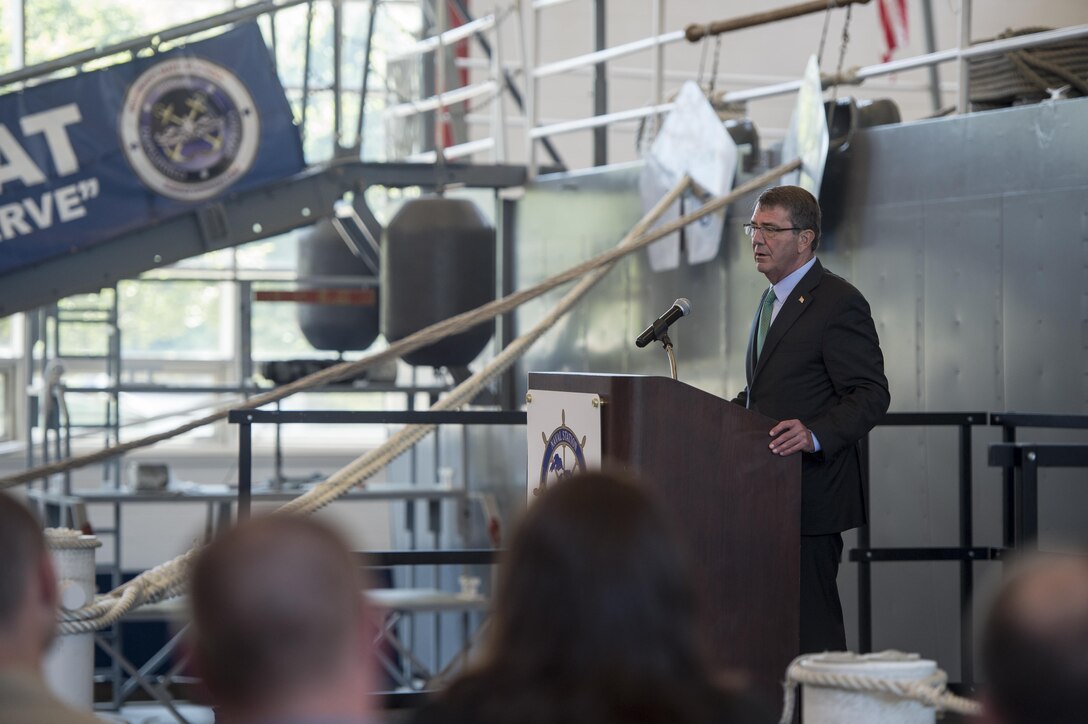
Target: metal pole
x=697 y=32
x=600 y=85
x=244 y=289
x=508 y=209
x=1027 y=494
x=528 y=63
x=441 y=115
x=337 y=80
x=865 y=582
x=967 y=577
x=659 y=61
x=306 y=73
x=366 y=75
x=507 y=81
x=962 y=101
x=430 y=120
x=1008 y=493
x=245 y=468
x=931 y=46
x=498 y=107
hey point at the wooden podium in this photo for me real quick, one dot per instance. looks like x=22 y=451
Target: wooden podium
x=736 y=505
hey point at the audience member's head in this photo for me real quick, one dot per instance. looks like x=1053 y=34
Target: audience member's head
x=1035 y=645
x=28 y=621
x=28 y=589
x=594 y=618
x=280 y=626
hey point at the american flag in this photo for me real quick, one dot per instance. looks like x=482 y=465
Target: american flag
x=893 y=21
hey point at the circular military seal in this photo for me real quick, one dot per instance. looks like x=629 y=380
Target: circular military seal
x=189 y=128
x=554 y=462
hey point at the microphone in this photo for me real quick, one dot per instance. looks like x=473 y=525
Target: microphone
x=680 y=308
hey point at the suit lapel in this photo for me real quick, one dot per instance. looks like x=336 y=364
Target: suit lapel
x=791 y=311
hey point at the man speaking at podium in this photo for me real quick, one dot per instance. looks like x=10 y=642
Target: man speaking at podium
x=814 y=363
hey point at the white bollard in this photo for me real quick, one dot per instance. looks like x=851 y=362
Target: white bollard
x=826 y=705
x=69 y=665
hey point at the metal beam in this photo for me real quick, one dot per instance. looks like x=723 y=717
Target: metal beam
x=600 y=85
x=238 y=219
x=931 y=46
x=402 y=174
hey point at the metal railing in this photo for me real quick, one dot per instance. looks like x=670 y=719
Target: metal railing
x=1020 y=509
x=487 y=32
x=534 y=72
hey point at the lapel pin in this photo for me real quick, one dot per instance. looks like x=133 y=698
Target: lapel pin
x=801 y=299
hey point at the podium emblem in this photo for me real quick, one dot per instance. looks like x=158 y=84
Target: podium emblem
x=563 y=455
x=557 y=451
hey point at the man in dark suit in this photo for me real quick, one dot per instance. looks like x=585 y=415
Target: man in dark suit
x=814 y=363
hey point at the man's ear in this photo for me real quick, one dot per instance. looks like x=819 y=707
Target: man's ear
x=805 y=239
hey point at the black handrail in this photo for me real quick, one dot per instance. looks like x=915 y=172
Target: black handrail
x=966 y=554
x=1019 y=506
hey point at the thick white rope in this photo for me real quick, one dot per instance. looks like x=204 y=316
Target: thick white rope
x=931 y=691
x=365 y=466
x=168 y=579
x=422 y=338
x=66 y=539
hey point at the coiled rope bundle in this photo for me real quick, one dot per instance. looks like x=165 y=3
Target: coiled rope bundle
x=1028 y=75
x=930 y=691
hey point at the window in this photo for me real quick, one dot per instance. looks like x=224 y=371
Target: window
x=175 y=319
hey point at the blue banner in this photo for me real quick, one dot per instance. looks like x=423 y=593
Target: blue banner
x=86 y=158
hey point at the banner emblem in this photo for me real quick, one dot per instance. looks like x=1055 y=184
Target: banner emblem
x=189 y=128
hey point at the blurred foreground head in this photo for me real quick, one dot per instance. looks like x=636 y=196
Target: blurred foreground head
x=595 y=583
x=594 y=619
x=279 y=622
x=28 y=589
x=1035 y=646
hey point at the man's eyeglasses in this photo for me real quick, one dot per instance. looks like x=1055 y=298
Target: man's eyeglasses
x=768 y=232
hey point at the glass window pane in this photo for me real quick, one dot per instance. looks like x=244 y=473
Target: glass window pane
x=7 y=337
x=146 y=413
x=59 y=27
x=84 y=326
x=175 y=319
x=278 y=253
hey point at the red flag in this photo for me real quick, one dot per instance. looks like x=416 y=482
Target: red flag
x=895 y=26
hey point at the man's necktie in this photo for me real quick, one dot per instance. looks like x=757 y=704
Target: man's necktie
x=765 y=310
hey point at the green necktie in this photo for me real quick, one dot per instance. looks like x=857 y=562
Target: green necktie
x=765 y=310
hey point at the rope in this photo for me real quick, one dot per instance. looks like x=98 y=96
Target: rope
x=715 y=66
x=168 y=580
x=838 y=70
x=823 y=33
x=1029 y=74
x=357 y=471
x=930 y=691
x=422 y=338
x=66 y=539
